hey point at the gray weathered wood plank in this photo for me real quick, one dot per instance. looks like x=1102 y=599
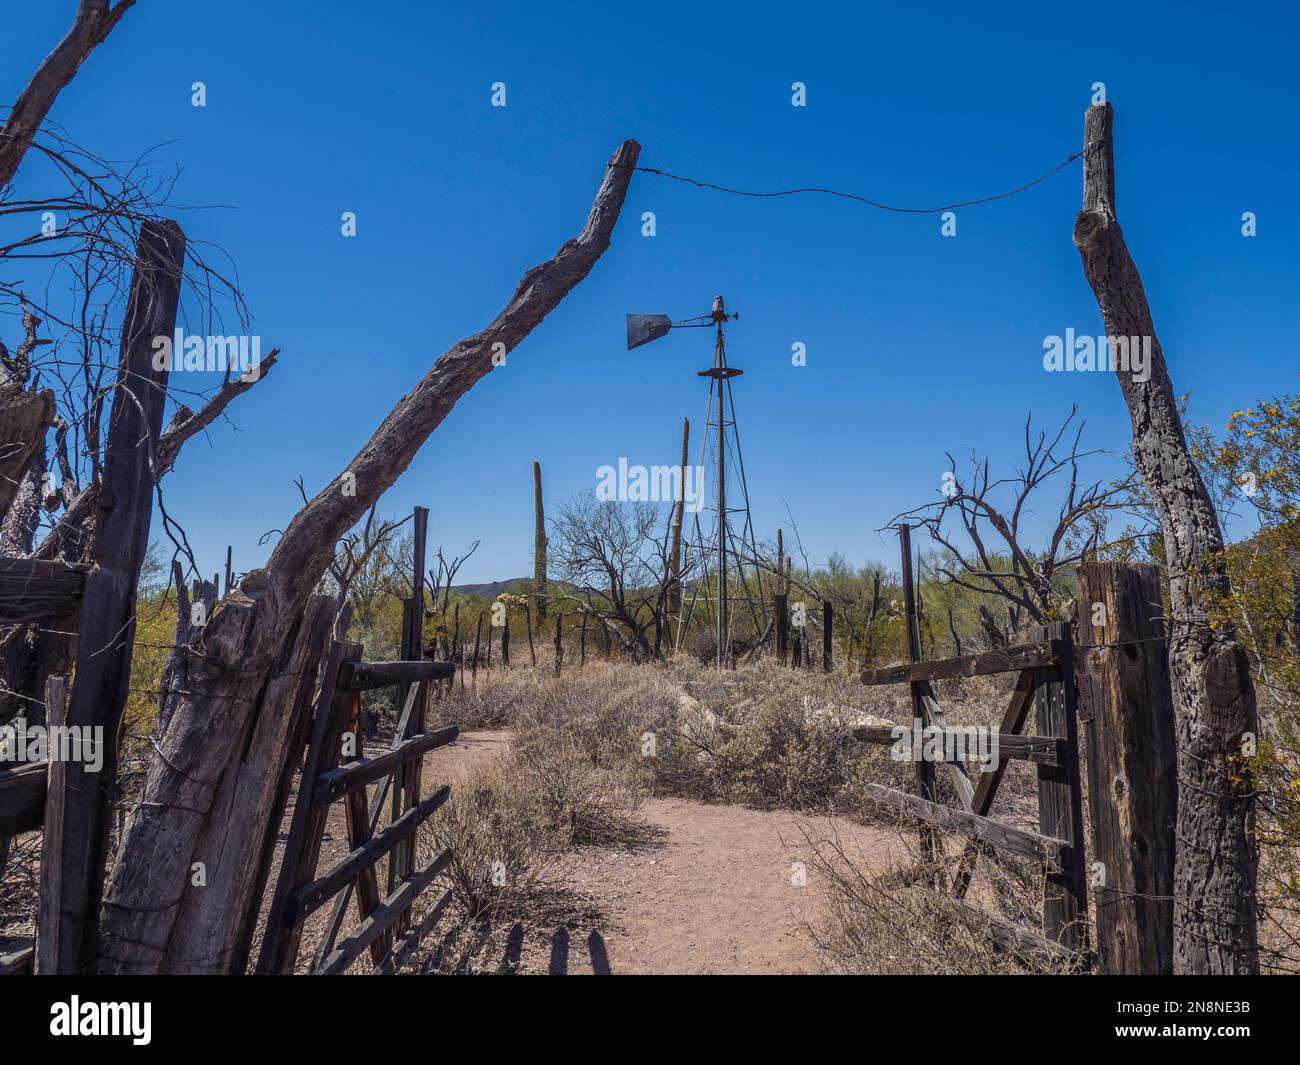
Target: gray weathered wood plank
x=1003 y=660
x=1056 y=853
x=384 y=916
x=34 y=590
x=363 y=771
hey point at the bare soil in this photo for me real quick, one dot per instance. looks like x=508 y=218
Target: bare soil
x=717 y=893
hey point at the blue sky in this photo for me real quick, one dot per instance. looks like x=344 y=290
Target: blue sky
x=916 y=344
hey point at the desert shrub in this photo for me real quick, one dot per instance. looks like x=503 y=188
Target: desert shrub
x=583 y=804
x=788 y=750
x=500 y=840
x=498 y=698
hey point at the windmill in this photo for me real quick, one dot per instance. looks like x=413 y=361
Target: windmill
x=726 y=539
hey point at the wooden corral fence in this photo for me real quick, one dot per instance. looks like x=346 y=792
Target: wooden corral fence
x=1045 y=682
x=300 y=891
x=1118 y=690
x=74 y=814
x=335 y=725
x=70 y=799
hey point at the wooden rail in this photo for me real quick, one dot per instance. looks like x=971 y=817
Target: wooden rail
x=22 y=798
x=310 y=897
x=384 y=916
x=1016 y=939
x=365 y=676
x=40 y=591
x=356 y=774
x=407 y=943
x=1003 y=660
x=1058 y=854
x=1045 y=750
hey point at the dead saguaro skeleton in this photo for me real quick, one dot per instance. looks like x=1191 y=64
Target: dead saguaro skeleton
x=226 y=739
x=1214 y=698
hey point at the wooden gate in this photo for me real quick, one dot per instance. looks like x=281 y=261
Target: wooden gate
x=1047 y=683
x=299 y=890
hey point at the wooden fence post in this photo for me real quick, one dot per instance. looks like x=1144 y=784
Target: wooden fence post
x=1060 y=806
x=1127 y=710
x=102 y=675
x=559 y=643
x=828 y=626
x=926 y=784
x=781 y=611
x=50 y=888
x=478 y=635
x=406 y=779
x=505 y=641
x=528 y=618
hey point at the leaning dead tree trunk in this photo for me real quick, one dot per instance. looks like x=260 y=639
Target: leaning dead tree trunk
x=1214 y=698
x=94 y=21
x=208 y=794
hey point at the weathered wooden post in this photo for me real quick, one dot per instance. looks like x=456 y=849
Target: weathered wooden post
x=828 y=628
x=1127 y=711
x=406 y=779
x=559 y=644
x=1216 y=858
x=1060 y=807
x=50 y=889
x=505 y=641
x=457 y=652
x=582 y=642
x=528 y=621
x=675 y=550
x=102 y=675
x=539 y=545
x=926 y=784
x=478 y=635
x=781 y=612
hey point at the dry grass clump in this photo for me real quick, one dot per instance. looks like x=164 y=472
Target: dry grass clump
x=574 y=778
x=500 y=839
x=895 y=922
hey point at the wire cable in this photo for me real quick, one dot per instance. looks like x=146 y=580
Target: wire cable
x=849 y=195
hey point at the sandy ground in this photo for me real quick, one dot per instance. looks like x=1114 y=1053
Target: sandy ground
x=718 y=895
x=715 y=894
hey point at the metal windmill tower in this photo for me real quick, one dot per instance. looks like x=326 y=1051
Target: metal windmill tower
x=728 y=545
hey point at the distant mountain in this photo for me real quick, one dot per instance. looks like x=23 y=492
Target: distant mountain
x=490 y=590
x=520 y=586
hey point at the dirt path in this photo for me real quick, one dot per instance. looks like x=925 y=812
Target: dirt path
x=715 y=895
